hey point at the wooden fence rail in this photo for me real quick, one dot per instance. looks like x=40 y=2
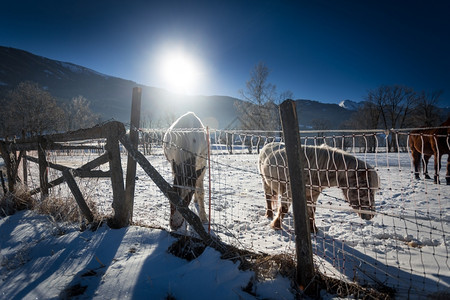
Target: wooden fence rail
x=123 y=196
x=14 y=151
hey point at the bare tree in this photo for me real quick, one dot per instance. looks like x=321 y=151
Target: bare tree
x=366 y=117
x=395 y=105
x=31 y=110
x=259 y=110
x=426 y=113
x=79 y=114
x=285 y=96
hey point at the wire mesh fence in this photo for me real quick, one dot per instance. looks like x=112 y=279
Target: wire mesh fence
x=404 y=246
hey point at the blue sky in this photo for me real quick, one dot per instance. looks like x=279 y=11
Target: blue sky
x=320 y=50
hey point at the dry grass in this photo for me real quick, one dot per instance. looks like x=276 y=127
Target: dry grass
x=65 y=209
x=59 y=208
x=267 y=267
x=19 y=200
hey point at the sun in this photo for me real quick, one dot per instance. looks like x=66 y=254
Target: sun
x=180 y=72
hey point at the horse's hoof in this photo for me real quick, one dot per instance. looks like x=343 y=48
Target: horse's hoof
x=175 y=227
x=427 y=176
x=448 y=180
x=269 y=214
x=275 y=225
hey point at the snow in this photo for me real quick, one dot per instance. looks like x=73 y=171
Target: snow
x=39 y=263
x=79 y=69
x=405 y=246
x=350 y=105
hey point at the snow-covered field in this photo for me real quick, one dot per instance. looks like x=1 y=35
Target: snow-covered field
x=405 y=246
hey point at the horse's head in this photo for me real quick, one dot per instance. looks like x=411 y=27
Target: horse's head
x=360 y=193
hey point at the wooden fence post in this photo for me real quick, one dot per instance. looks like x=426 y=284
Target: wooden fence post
x=24 y=164
x=43 y=175
x=7 y=160
x=134 y=139
x=121 y=216
x=5 y=190
x=24 y=169
x=305 y=266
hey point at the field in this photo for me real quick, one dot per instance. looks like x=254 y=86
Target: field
x=404 y=247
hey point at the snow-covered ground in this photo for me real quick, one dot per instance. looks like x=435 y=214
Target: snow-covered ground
x=38 y=262
x=405 y=246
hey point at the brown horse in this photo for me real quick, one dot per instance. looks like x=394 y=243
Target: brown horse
x=431 y=142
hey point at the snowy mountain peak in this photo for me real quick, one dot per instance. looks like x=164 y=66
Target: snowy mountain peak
x=350 y=105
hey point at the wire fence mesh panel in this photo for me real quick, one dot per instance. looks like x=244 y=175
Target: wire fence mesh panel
x=398 y=241
x=397 y=238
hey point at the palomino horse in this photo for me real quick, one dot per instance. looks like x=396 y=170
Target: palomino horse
x=185 y=147
x=325 y=167
x=431 y=142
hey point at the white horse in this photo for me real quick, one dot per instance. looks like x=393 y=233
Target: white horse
x=324 y=167
x=185 y=147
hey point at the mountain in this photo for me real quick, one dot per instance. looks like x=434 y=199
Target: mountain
x=314 y=114
x=351 y=105
x=111 y=96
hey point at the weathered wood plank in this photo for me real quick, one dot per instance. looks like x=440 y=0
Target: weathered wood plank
x=51 y=184
x=3 y=183
x=305 y=265
x=10 y=165
x=134 y=139
x=83 y=171
x=43 y=175
x=122 y=210
x=32 y=146
x=97 y=132
x=78 y=195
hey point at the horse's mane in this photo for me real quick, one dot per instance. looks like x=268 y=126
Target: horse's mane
x=325 y=159
x=329 y=158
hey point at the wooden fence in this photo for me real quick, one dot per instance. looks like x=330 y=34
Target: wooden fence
x=15 y=152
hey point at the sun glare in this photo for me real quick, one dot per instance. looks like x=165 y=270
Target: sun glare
x=180 y=72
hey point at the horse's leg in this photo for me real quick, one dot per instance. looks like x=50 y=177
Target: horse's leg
x=200 y=197
x=425 y=166
x=282 y=211
x=447 y=174
x=270 y=198
x=416 y=161
x=311 y=200
x=176 y=219
x=437 y=167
